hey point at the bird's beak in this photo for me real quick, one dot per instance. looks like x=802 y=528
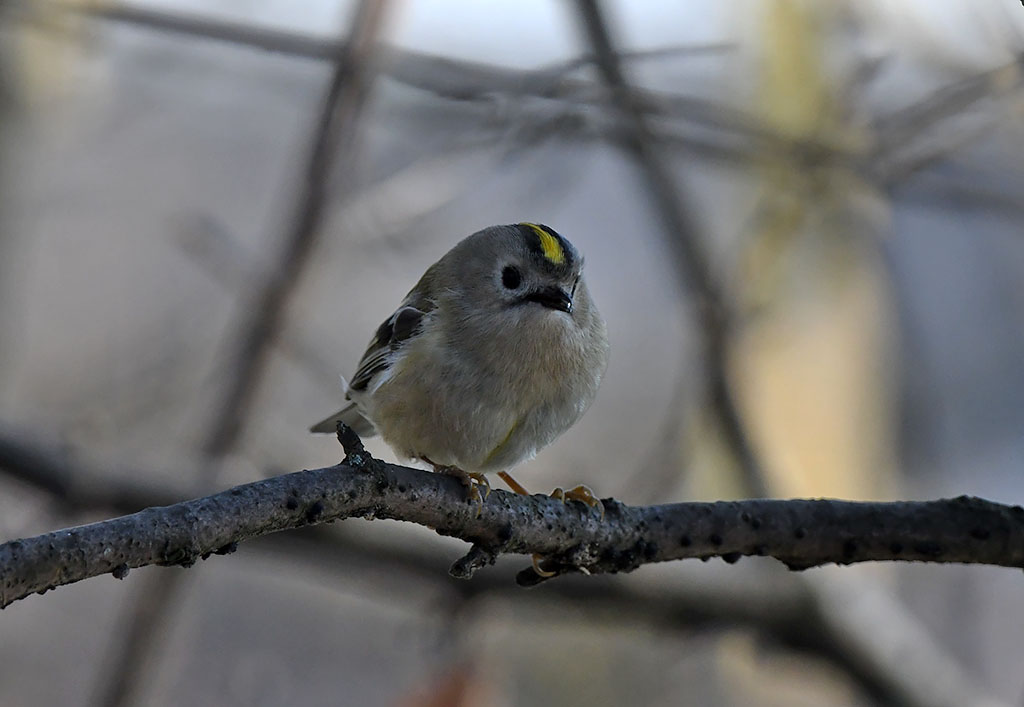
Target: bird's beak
x=552 y=297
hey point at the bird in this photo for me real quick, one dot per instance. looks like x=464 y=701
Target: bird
x=494 y=353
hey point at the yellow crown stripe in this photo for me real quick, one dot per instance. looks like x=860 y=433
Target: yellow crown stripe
x=548 y=244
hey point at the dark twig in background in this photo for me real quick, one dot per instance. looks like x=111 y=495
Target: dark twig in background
x=332 y=140
x=900 y=131
x=708 y=298
x=723 y=132
x=75 y=485
x=716 y=319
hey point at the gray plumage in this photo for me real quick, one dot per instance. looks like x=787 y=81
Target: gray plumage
x=495 y=352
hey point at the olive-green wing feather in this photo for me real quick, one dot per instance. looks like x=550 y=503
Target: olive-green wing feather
x=400 y=327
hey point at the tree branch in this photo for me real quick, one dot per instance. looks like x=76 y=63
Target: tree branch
x=797 y=614
x=799 y=533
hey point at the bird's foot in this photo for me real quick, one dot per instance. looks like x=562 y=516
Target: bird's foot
x=580 y=493
x=512 y=483
x=536 y=558
x=473 y=481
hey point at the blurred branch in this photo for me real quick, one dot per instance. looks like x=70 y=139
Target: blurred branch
x=907 y=126
x=467 y=80
x=720 y=130
x=452 y=78
x=923 y=682
x=75 y=484
x=228 y=263
x=799 y=533
x=333 y=140
x=893 y=659
x=681 y=233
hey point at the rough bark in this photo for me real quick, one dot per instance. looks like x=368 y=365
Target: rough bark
x=570 y=537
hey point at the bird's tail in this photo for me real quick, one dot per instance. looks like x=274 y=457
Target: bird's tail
x=351 y=417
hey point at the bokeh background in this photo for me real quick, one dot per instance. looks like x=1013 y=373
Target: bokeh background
x=803 y=222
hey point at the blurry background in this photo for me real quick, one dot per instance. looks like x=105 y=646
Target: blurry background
x=802 y=221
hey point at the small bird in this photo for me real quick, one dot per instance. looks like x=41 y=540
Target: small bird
x=495 y=352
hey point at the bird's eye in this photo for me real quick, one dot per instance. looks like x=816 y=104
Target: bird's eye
x=511 y=277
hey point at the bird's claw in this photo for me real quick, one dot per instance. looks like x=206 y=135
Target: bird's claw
x=536 y=567
x=580 y=493
x=476 y=481
x=472 y=481
x=481 y=480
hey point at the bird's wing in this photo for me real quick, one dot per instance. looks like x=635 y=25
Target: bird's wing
x=351 y=416
x=400 y=327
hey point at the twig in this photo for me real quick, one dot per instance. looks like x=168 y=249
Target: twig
x=897 y=129
x=465 y=80
x=73 y=483
x=800 y=533
x=713 y=311
x=333 y=140
x=229 y=264
x=897 y=663
x=706 y=295
x=131 y=655
x=452 y=78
